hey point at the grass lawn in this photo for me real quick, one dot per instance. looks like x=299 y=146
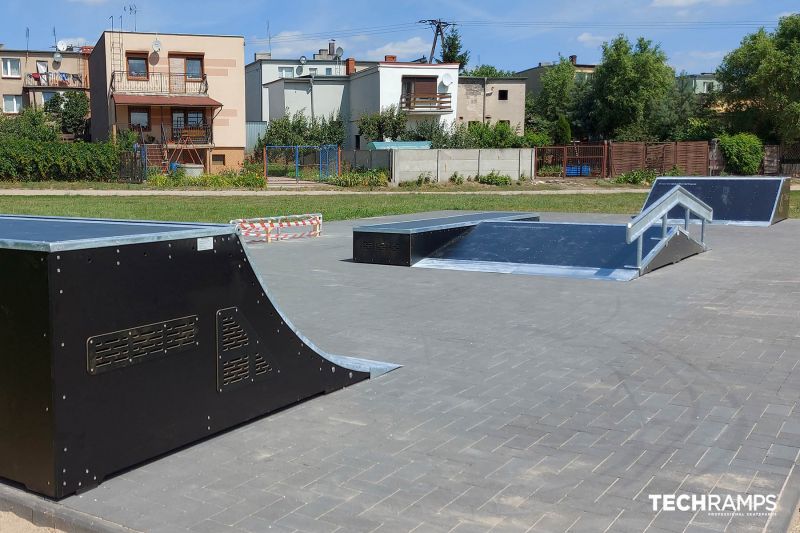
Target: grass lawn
x=334 y=207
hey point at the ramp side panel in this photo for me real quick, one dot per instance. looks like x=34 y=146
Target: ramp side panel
x=26 y=395
x=781 y=211
x=544 y=243
x=738 y=200
x=676 y=247
x=111 y=420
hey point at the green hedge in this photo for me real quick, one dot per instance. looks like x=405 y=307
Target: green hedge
x=364 y=178
x=26 y=160
x=743 y=153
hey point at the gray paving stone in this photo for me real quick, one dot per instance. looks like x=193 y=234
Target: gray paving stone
x=563 y=407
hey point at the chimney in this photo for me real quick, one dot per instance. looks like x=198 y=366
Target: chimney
x=262 y=55
x=573 y=59
x=390 y=59
x=332 y=47
x=350 y=66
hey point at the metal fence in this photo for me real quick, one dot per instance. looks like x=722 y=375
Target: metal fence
x=254 y=131
x=309 y=163
x=572 y=161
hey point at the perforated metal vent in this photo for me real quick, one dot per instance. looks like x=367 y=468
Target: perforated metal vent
x=141 y=343
x=240 y=355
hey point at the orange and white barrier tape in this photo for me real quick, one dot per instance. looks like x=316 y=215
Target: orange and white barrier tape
x=268 y=229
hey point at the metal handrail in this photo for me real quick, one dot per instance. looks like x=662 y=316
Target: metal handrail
x=659 y=210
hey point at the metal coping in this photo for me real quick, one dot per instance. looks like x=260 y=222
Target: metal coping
x=97 y=232
x=723 y=222
x=441 y=223
x=530 y=269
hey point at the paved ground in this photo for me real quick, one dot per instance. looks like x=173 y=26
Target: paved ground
x=525 y=403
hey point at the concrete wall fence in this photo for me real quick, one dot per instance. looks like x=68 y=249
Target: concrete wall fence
x=440 y=165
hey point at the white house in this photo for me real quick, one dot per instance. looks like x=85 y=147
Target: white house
x=424 y=91
x=265 y=70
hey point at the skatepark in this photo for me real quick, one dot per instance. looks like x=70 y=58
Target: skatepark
x=542 y=403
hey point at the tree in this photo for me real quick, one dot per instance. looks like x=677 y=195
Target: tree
x=558 y=90
x=74 y=113
x=489 y=71
x=452 y=49
x=54 y=106
x=389 y=123
x=30 y=125
x=760 y=82
x=629 y=86
x=562 y=133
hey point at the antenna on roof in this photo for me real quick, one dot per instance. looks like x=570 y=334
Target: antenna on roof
x=27 y=40
x=132 y=9
x=269 y=38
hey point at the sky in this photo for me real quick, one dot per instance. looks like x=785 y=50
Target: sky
x=509 y=34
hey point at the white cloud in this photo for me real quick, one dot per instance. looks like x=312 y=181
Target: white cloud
x=689 y=3
x=75 y=41
x=706 y=54
x=411 y=48
x=591 y=40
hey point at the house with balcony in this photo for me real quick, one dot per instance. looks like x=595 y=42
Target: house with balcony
x=181 y=96
x=30 y=78
x=423 y=91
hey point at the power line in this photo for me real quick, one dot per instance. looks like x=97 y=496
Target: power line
x=438 y=26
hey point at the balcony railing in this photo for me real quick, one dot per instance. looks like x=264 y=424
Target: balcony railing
x=426 y=102
x=157 y=83
x=165 y=134
x=56 y=79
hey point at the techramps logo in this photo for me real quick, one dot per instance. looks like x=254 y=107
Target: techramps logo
x=717 y=504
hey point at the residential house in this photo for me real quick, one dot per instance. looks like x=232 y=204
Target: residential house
x=703 y=83
x=423 y=91
x=265 y=69
x=181 y=95
x=33 y=77
x=533 y=76
x=491 y=101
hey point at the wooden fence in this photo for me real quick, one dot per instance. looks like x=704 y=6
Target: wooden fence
x=690 y=157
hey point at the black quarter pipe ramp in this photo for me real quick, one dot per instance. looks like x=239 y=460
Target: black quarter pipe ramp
x=122 y=341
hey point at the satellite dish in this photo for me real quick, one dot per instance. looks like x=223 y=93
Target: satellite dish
x=339 y=52
x=156 y=46
x=447 y=79
x=57 y=57
x=61 y=46
x=303 y=60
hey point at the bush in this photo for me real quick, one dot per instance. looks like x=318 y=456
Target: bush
x=362 y=178
x=636 y=177
x=493 y=178
x=26 y=160
x=457 y=179
x=743 y=153
x=226 y=179
x=549 y=170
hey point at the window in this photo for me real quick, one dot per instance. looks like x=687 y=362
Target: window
x=194 y=68
x=286 y=72
x=12 y=103
x=194 y=118
x=48 y=95
x=139 y=116
x=502 y=94
x=328 y=71
x=312 y=71
x=11 y=68
x=137 y=66
x=218 y=159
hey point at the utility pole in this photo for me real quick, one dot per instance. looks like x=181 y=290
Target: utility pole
x=438 y=26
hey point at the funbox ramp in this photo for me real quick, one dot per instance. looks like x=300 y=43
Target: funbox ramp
x=744 y=201
x=518 y=243
x=122 y=341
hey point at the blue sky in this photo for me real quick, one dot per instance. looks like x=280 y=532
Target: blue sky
x=510 y=34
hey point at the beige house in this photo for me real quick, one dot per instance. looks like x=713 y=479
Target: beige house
x=31 y=77
x=492 y=100
x=533 y=76
x=181 y=95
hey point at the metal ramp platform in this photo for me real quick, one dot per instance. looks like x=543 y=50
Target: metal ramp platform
x=121 y=341
x=505 y=243
x=743 y=201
